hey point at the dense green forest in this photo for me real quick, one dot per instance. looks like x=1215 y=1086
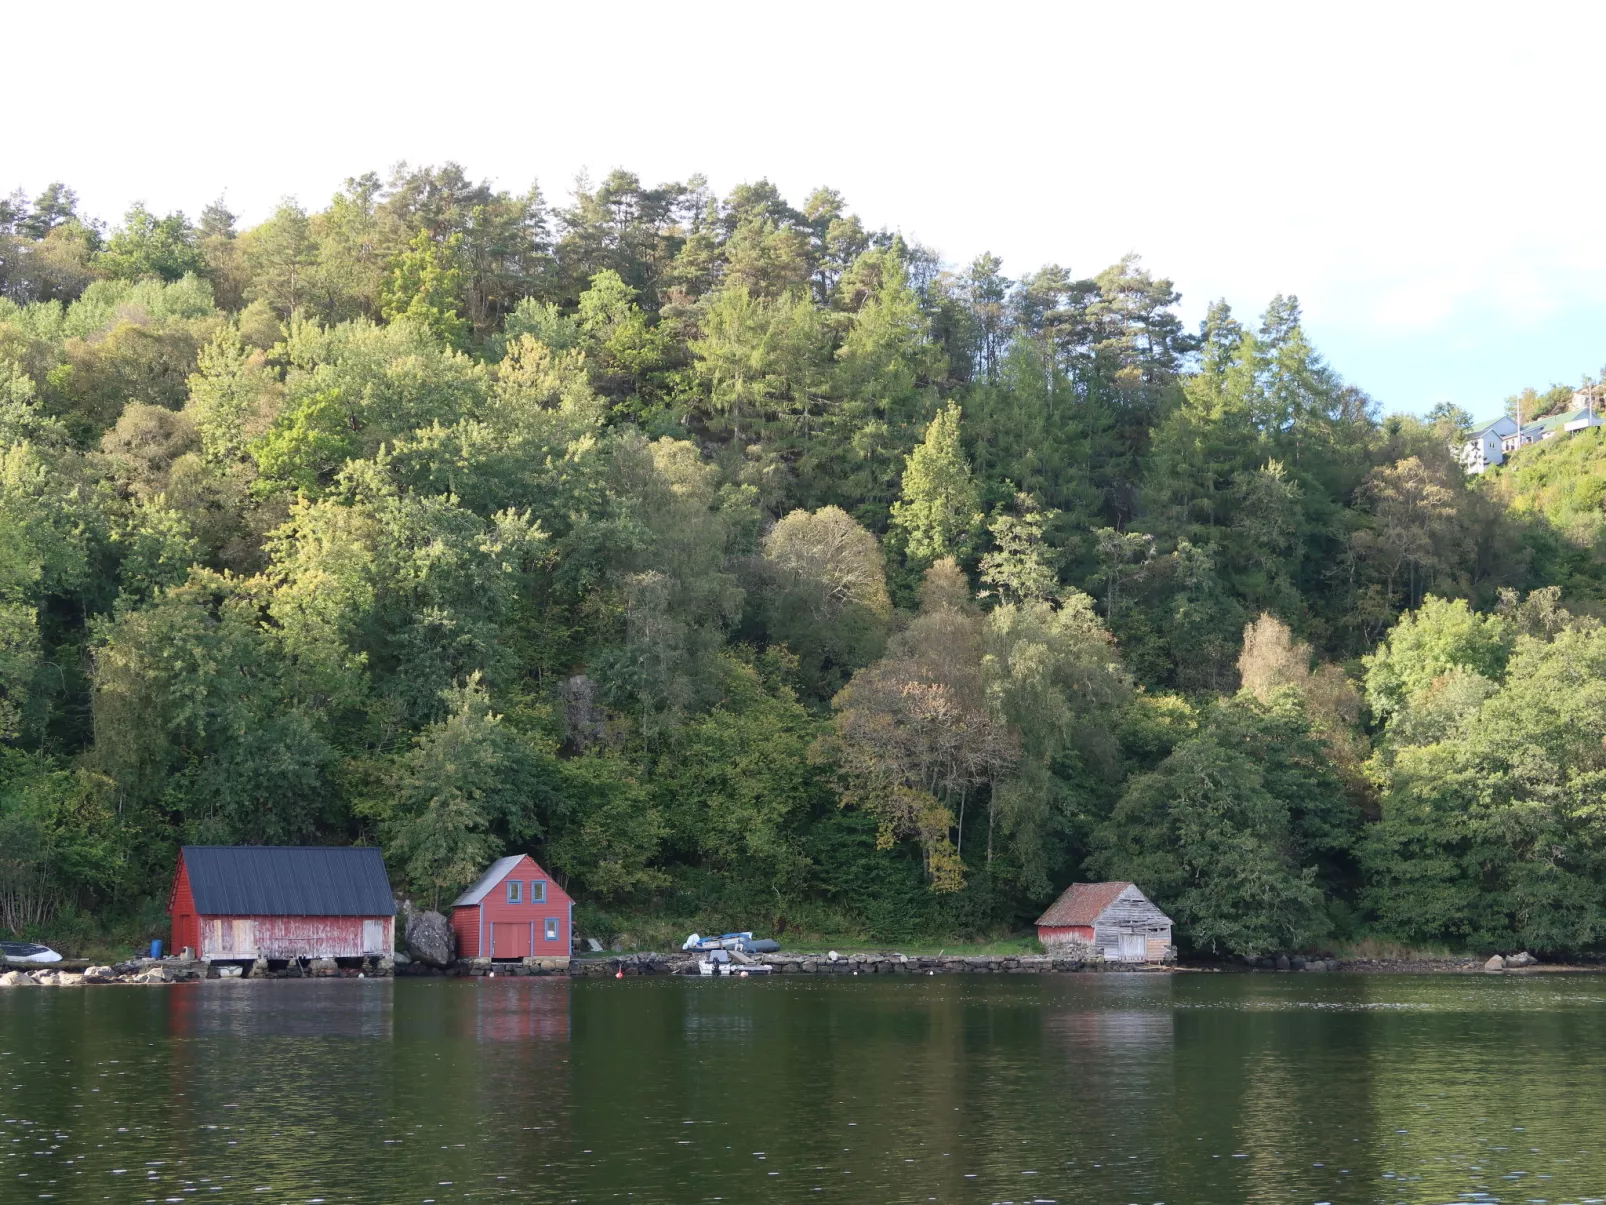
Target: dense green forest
x=749 y=566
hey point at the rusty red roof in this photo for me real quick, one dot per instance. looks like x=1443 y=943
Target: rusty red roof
x=1082 y=904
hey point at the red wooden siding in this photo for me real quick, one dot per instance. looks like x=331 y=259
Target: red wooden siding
x=186 y=930
x=466 y=924
x=226 y=937
x=502 y=929
x=1048 y=933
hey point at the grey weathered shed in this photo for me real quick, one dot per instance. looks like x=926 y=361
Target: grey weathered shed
x=1114 y=921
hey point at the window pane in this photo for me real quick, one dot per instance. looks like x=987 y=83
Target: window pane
x=537 y=891
x=551 y=929
x=513 y=891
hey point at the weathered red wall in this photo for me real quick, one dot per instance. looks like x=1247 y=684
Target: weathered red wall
x=294 y=936
x=474 y=920
x=181 y=906
x=1048 y=933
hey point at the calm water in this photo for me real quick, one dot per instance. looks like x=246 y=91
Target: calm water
x=1190 y=1089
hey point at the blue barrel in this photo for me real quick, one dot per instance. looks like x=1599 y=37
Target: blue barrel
x=156 y=947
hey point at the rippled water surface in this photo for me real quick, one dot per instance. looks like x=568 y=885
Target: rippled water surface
x=1187 y=1089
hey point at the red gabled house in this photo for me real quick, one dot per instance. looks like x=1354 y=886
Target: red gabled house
x=514 y=911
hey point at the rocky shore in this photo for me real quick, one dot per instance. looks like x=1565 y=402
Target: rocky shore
x=443 y=964
x=190 y=970
x=648 y=963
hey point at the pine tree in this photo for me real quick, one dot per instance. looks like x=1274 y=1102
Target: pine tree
x=940 y=514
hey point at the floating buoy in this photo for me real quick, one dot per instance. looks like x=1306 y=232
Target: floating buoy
x=619 y=974
x=744 y=974
x=493 y=974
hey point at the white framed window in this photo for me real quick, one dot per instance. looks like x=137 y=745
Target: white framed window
x=513 y=886
x=552 y=928
x=537 y=891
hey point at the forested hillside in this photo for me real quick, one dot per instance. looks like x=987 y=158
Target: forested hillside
x=749 y=566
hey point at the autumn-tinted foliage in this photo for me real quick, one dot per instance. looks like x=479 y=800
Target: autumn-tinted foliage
x=752 y=567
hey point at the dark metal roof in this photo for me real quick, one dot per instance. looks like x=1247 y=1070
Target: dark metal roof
x=276 y=880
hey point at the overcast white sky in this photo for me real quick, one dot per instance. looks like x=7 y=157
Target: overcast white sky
x=1425 y=177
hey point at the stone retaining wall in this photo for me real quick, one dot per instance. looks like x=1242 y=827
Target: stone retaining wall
x=783 y=964
x=851 y=964
x=178 y=971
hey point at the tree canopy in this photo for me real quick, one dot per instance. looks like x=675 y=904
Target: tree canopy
x=751 y=566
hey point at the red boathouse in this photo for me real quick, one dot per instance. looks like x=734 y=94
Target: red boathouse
x=263 y=901
x=1112 y=921
x=514 y=911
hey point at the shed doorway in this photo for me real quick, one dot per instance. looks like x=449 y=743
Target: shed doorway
x=1134 y=947
x=510 y=940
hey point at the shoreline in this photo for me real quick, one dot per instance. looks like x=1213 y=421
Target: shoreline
x=74 y=972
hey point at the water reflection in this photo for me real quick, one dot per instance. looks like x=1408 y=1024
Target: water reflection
x=257 y=1009
x=1076 y=1089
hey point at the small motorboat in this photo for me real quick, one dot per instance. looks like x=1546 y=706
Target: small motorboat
x=713 y=966
x=27 y=953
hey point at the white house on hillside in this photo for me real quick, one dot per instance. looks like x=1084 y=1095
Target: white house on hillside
x=1491 y=443
x=1486 y=445
x=1550 y=427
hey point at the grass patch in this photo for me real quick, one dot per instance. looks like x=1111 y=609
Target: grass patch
x=1377 y=949
x=1016 y=944
x=820 y=931
x=101 y=939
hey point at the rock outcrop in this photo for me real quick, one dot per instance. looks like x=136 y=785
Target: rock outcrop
x=427 y=937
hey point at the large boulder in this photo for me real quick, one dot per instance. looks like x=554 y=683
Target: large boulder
x=16 y=979
x=1495 y=964
x=1524 y=959
x=427 y=937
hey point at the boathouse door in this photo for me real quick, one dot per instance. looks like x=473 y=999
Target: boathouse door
x=1134 y=947
x=510 y=940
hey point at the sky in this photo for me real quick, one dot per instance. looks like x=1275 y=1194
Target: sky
x=1425 y=177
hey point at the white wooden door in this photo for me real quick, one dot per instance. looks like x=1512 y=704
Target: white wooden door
x=1134 y=948
x=373 y=937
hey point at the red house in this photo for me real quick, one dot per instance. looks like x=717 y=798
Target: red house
x=514 y=911
x=264 y=901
